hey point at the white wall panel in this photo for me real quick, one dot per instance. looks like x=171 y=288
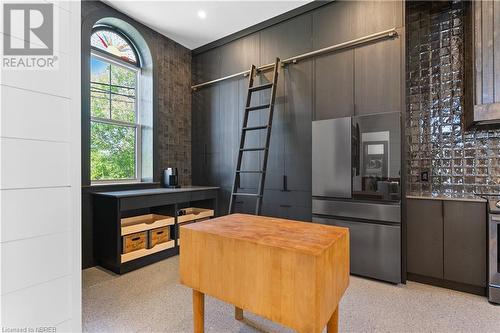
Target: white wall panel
x=45 y=304
x=28 y=262
x=35 y=115
x=54 y=82
x=40 y=214
x=49 y=212
x=30 y=163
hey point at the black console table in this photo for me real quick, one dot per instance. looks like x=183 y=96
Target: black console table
x=111 y=207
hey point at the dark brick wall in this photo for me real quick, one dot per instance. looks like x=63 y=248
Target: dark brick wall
x=174 y=108
x=171 y=112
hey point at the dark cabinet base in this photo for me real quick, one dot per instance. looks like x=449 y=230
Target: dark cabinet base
x=467 y=288
x=111 y=207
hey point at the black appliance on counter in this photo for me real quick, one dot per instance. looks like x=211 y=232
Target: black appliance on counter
x=356 y=163
x=170 y=178
x=494 y=250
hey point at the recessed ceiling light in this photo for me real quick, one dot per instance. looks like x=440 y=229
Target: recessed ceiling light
x=202 y=14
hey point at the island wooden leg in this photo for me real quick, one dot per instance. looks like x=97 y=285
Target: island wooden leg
x=238 y=313
x=198 y=311
x=333 y=323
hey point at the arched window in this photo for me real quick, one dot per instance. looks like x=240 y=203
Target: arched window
x=115 y=140
x=112 y=42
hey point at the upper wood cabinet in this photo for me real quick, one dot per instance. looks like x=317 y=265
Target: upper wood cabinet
x=482 y=72
x=369 y=17
x=359 y=80
x=378 y=77
x=334 y=78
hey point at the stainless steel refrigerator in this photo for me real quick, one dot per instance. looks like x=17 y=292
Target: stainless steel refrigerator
x=356 y=163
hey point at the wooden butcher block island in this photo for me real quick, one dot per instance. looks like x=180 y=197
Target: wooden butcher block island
x=293 y=273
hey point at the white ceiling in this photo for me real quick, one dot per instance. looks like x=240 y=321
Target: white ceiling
x=179 y=20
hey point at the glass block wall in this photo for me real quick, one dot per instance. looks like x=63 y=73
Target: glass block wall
x=457 y=162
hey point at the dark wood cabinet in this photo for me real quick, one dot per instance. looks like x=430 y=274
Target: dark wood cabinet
x=229 y=133
x=294 y=205
x=363 y=80
x=378 y=80
x=316 y=88
x=465 y=242
x=446 y=240
x=298 y=127
x=334 y=85
x=369 y=17
x=333 y=24
x=290 y=151
x=425 y=237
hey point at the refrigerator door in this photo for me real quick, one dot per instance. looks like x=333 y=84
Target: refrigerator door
x=385 y=213
x=377 y=149
x=331 y=158
x=375 y=249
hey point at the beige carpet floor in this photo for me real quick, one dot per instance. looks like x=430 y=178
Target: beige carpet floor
x=152 y=300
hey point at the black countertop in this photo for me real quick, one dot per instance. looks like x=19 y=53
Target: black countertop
x=155 y=191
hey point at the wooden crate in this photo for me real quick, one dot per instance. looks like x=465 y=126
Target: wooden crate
x=146 y=252
x=135 y=224
x=134 y=242
x=158 y=236
x=195 y=214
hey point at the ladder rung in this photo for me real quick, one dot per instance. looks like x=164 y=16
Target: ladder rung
x=253 y=128
x=247 y=194
x=249 y=171
x=258 y=107
x=253 y=149
x=261 y=87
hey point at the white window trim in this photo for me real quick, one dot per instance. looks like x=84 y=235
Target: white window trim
x=138 y=129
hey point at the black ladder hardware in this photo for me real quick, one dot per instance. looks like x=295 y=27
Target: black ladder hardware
x=245 y=128
x=258 y=107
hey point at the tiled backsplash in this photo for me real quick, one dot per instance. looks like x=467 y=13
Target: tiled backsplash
x=458 y=162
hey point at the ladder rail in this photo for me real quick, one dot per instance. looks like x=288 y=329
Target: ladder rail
x=258 y=208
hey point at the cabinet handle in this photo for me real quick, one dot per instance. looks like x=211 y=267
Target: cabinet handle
x=285 y=185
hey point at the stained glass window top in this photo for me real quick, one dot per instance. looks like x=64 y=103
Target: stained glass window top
x=113 y=43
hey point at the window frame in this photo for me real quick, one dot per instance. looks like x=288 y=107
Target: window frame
x=115 y=61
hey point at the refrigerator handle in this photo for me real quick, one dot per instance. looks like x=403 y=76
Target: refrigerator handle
x=355 y=150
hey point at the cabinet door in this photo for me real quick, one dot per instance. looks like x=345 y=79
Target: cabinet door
x=334 y=72
x=294 y=205
x=465 y=242
x=205 y=168
x=228 y=132
x=333 y=24
x=298 y=129
x=334 y=84
x=235 y=57
x=369 y=17
x=275 y=204
x=275 y=41
x=205 y=102
x=377 y=69
x=425 y=237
